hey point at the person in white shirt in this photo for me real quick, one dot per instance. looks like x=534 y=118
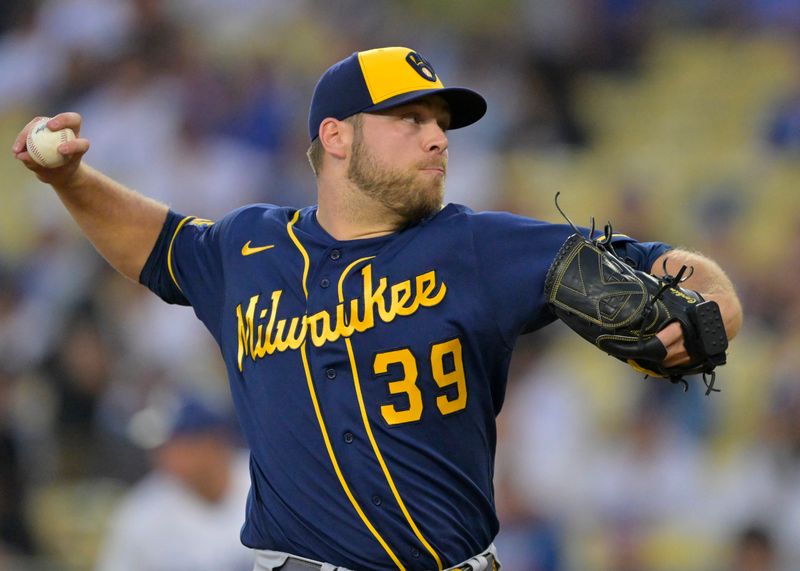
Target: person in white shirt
x=184 y=515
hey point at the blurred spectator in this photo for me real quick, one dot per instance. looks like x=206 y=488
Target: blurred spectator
x=782 y=131
x=209 y=176
x=79 y=372
x=15 y=535
x=784 y=444
x=31 y=65
x=11 y=13
x=651 y=474
x=137 y=113
x=784 y=125
x=9 y=302
x=260 y=109
x=780 y=14
x=546 y=424
x=528 y=541
x=622 y=29
x=754 y=550
x=97 y=27
x=49 y=283
x=549 y=117
x=185 y=515
x=166 y=338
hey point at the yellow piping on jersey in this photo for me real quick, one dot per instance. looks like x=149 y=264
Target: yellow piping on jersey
x=169 y=250
x=371 y=436
x=318 y=412
x=307 y=263
x=347 y=271
x=339 y=474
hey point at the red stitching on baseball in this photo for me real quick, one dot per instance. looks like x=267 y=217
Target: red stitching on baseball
x=32 y=148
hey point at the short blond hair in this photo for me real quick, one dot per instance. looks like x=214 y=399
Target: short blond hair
x=316 y=151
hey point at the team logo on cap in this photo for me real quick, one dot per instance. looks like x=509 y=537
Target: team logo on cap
x=421 y=66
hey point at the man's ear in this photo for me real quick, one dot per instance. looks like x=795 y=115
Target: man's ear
x=336 y=137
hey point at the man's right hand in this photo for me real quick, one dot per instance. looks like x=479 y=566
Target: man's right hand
x=122 y=224
x=62 y=176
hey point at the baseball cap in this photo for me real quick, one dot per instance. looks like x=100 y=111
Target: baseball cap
x=183 y=416
x=382 y=78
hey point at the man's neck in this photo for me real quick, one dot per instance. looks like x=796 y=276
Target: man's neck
x=348 y=214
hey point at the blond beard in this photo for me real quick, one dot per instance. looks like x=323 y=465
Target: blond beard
x=404 y=192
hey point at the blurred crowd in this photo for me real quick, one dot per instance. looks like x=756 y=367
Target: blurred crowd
x=678 y=120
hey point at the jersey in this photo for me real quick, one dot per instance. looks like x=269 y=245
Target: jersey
x=367 y=374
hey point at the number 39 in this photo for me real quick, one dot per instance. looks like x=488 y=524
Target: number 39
x=408 y=383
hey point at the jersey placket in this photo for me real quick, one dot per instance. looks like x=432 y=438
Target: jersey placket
x=383 y=494
x=330 y=380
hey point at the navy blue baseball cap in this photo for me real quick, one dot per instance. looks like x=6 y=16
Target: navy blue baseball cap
x=382 y=78
x=181 y=416
x=196 y=417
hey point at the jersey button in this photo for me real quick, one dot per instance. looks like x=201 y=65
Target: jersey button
x=335 y=255
x=324 y=282
x=415 y=553
x=348 y=437
x=330 y=373
x=376 y=500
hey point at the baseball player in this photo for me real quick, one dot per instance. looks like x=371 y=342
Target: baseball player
x=367 y=338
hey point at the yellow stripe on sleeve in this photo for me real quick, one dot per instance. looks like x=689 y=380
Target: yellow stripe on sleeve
x=169 y=251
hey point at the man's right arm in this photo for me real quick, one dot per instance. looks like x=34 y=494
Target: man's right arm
x=123 y=225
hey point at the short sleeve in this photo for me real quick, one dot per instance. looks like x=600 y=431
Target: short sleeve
x=513 y=255
x=185 y=266
x=639 y=255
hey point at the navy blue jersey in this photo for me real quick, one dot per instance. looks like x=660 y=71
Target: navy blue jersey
x=367 y=374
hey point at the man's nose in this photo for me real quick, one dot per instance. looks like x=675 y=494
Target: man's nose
x=435 y=138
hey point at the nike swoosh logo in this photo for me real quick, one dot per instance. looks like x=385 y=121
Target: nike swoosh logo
x=247 y=250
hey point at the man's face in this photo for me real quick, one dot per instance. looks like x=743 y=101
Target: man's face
x=399 y=157
x=201 y=461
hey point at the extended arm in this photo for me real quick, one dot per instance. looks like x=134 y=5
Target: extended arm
x=121 y=224
x=710 y=281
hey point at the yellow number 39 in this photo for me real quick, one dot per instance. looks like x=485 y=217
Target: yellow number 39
x=446 y=403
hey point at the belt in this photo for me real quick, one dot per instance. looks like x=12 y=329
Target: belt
x=490 y=564
x=294 y=564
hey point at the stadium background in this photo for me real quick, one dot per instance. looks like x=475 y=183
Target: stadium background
x=678 y=120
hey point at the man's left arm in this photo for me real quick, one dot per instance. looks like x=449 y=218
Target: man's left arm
x=710 y=281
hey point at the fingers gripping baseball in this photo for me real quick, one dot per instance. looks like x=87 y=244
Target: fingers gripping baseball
x=67 y=150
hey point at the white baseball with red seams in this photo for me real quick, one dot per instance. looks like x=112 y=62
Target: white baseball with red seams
x=43 y=144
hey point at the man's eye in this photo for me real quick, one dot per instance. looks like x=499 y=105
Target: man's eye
x=412 y=118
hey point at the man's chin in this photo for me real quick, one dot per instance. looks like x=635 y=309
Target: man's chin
x=421 y=209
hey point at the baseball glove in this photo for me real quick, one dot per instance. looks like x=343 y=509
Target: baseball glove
x=621 y=309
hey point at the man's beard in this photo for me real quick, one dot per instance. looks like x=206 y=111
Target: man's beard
x=405 y=192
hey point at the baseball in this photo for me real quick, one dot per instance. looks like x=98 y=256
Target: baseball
x=43 y=144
